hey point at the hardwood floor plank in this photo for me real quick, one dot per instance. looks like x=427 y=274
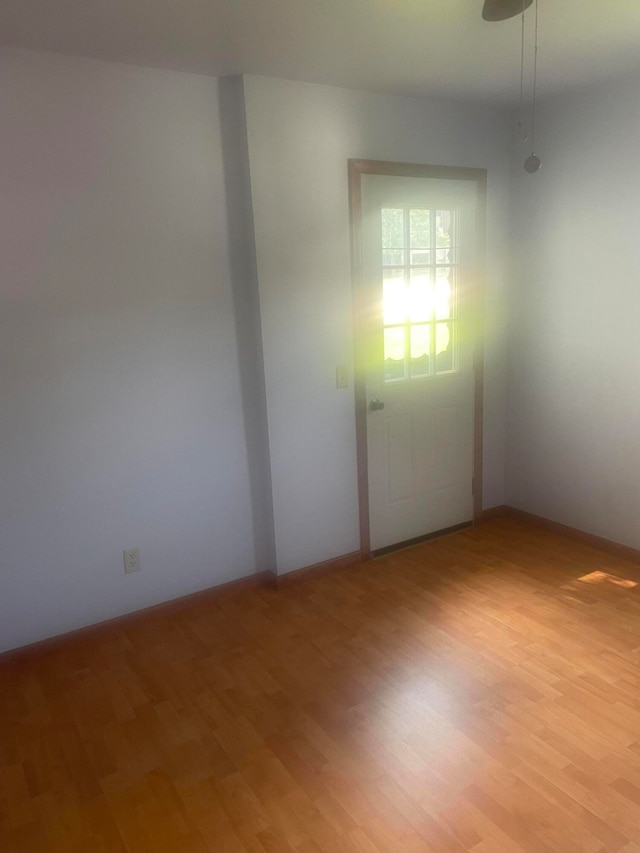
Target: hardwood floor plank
x=480 y=692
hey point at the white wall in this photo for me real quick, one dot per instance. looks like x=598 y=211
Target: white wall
x=574 y=405
x=121 y=420
x=300 y=137
x=135 y=314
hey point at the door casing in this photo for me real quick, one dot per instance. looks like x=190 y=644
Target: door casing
x=356 y=169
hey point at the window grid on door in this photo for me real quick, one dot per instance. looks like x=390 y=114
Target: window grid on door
x=420 y=267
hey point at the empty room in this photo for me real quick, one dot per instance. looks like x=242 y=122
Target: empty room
x=319 y=466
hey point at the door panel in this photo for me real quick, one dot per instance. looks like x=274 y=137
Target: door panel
x=418 y=248
x=399 y=453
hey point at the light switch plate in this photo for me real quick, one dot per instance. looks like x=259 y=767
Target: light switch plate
x=342 y=376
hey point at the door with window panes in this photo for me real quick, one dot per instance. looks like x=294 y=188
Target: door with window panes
x=418 y=251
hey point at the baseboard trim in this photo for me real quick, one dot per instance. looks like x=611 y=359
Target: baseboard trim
x=270 y=580
x=616 y=549
x=494 y=512
x=267 y=579
x=346 y=561
x=129 y=620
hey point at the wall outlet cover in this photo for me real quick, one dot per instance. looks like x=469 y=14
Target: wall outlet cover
x=131 y=560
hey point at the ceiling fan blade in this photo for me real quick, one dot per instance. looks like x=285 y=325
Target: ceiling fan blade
x=500 y=10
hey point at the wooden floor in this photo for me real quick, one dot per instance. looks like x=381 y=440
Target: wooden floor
x=479 y=692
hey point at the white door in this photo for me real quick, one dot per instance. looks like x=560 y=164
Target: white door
x=419 y=246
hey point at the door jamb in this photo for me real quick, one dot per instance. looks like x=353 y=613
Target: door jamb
x=358 y=168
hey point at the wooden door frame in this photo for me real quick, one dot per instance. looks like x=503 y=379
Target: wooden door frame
x=358 y=168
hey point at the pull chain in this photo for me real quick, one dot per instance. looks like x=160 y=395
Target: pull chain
x=521 y=127
x=532 y=163
x=535 y=80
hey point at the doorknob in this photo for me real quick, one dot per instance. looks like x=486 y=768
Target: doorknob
x=375 y=405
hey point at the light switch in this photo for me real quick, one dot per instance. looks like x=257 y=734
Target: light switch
x=342 y=378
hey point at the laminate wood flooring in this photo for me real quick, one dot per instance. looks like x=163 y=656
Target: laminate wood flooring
x=480 y=692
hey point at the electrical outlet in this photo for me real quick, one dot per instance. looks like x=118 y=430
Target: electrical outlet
x=131 y=560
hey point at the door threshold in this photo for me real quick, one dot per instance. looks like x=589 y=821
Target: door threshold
x=408 y=543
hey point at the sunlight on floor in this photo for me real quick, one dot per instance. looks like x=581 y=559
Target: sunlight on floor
x=605 y=577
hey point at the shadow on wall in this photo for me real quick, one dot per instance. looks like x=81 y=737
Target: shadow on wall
x=246 y=301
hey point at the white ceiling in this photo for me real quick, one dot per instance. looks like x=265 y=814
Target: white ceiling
x=412 y=47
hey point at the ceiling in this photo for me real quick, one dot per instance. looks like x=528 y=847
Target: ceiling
x=413 y=47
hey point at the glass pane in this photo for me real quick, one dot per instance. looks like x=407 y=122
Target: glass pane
x=445 y=228
x=392 y=228
x=420 y=228
x=394 y=297
x=445 y=256
x=392 y=257
x=394 y=351
x=420 y=296
x=444 y=347
x=420 y=256
x=443 y=294
x=420 y=349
